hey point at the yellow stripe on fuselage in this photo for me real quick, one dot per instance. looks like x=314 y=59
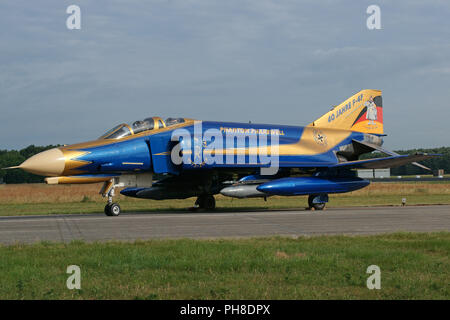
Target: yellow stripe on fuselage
x=308 y=144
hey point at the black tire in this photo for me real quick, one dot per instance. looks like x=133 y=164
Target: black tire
x=107 y=209
x=112 y=210
x=316 y=206
x=206 y=202
x=200 y=202
x=319 y=206
x=209 y=203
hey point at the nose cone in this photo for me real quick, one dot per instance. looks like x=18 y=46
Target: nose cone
x=47 y=163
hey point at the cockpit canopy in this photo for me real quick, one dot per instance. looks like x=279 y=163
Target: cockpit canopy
x=153 y=123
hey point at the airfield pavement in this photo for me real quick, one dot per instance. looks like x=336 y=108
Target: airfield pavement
x=133 y=226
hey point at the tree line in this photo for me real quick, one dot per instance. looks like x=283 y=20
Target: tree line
x=9 y=158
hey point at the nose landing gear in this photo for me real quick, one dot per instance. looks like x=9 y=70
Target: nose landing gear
x=111 y=209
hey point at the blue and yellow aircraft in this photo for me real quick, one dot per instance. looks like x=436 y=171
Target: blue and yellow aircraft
x=314 y=160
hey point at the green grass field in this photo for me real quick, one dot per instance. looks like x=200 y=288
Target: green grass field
x=413 y=266
x=29 y=199
x=223 y=204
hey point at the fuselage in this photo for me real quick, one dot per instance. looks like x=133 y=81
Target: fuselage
x=231 y=145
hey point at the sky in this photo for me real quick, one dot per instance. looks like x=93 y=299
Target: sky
x=265 y=61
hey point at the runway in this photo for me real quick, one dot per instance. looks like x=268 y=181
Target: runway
x=132 y=226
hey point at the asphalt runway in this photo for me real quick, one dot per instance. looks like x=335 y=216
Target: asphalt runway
x=132 y=226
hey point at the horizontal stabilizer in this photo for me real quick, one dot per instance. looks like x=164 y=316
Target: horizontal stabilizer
x=387 y=162
x=391 y=153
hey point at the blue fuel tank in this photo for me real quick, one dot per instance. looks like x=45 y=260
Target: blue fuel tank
x=311 y=185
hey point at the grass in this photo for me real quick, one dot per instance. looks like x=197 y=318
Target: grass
x=413 y=266
x=28 y=199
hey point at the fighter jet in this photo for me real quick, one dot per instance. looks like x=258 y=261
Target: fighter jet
x=181 y=158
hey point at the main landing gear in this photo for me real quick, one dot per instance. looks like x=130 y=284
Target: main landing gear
x=206 y=202
x=317 y=201
x=111 y=209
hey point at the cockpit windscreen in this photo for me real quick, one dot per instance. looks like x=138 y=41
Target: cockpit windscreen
x=124 y=130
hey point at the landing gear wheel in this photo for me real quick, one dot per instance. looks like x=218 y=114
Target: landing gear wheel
x=316 y=206
x=107 y=208
x=209 y=203
x=112 y=209
x=206 y=202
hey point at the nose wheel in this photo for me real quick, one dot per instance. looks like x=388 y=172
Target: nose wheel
x=112 y=209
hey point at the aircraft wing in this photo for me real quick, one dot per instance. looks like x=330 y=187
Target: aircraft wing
x=386 y=162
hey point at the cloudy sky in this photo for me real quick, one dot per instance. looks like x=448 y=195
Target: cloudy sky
x=268 y=61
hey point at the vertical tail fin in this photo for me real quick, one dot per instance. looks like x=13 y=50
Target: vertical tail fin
x=362 y=112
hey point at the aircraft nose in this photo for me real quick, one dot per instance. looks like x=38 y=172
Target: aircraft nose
x=46 y=163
